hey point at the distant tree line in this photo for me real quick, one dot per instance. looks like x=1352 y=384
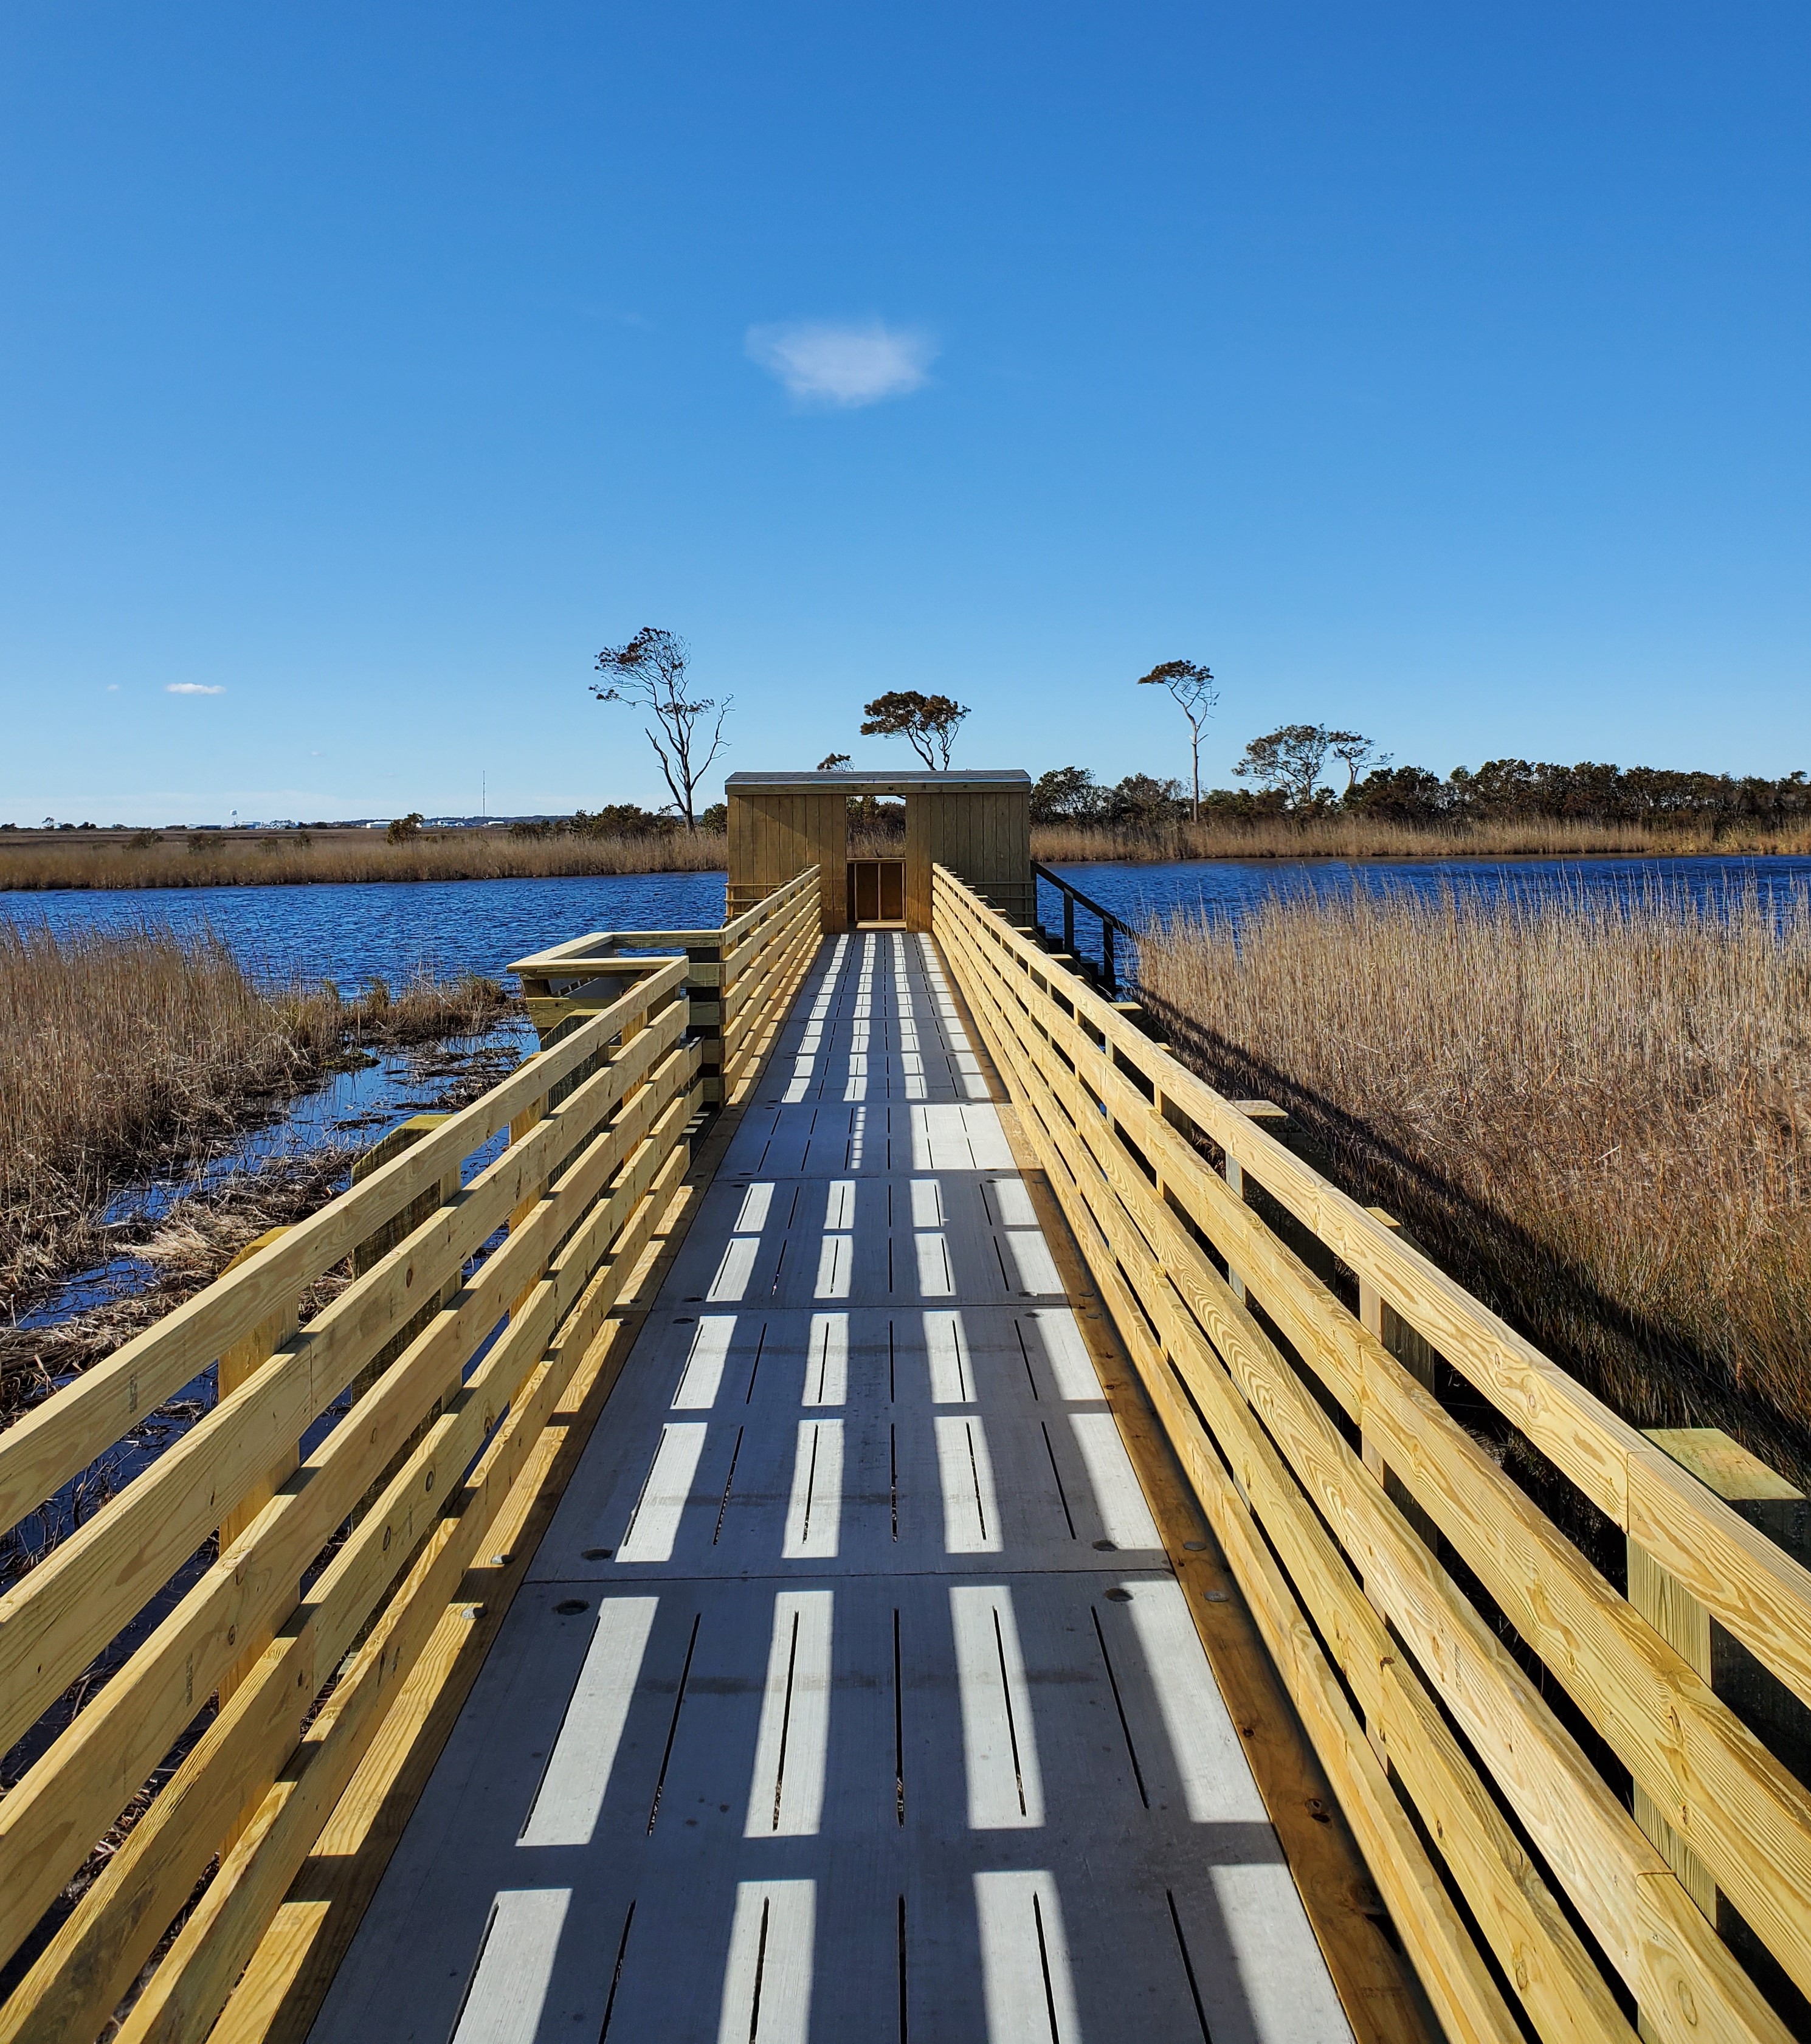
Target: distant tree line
x=1499 y=790
x=620 y=819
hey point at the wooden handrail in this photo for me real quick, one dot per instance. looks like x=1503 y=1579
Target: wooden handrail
x=598 y=1146
x=1327 y=1554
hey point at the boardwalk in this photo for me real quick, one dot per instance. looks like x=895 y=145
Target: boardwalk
x=850 y=1695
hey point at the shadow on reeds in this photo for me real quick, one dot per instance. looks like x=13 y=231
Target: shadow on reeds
x=1594 y=1112
x=1637 y=1363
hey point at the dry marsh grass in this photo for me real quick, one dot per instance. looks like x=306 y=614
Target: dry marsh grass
x=1595 y=1116
x=122 y=1053
x=290 y=858
x=1360 y=838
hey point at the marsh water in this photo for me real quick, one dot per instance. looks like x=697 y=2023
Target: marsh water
x=352 y=934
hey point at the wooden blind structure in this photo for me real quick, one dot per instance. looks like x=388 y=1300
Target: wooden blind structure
x=978 y=824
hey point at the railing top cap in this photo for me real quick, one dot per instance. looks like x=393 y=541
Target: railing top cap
x=602 y=951
x=998 y=779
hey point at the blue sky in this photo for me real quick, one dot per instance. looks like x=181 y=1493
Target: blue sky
x=1437 y=370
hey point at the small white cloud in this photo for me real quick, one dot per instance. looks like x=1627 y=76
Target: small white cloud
x=112 y=688
x=193 y=688
x=821 y=363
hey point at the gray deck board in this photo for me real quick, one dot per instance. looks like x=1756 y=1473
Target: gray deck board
x=850 y=1694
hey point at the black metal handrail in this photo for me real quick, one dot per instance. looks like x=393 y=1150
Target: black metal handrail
x=1110 y=924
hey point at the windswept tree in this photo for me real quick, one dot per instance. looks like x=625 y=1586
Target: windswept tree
x=833 y=762
x=1287 y=761
x=1355 y=751
x=650 y=672
x=1192 y=687
x=929 y=722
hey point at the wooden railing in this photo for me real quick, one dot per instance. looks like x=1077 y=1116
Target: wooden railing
x=337 y=1567
x=727 y=971
x=1111 y=927
x=1406 y=1586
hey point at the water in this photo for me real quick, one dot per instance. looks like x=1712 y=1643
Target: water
x=1233 y=887
x=352 y=934
x=349 y=1111
x=375 y=930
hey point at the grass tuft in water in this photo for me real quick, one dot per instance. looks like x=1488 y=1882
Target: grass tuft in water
x=127 y=1053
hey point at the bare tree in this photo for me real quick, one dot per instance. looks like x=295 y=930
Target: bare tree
x=1192 y=687
x=930 y=723
x=650 y=671
x=1355 y=751
x=1287 y=761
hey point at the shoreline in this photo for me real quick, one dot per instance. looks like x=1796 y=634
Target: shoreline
x=1068 y=855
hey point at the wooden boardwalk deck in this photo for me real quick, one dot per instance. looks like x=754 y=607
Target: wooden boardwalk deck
x=851 y=1695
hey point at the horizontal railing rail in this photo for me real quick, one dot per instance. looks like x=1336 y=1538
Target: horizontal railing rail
x=472 y=1310
x=1521 y=1884
x=576 y=979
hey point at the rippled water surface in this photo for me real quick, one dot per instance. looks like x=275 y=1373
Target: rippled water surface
x=1233 y=887
x=388 y=930
x=1135 y=893
x=350 y=933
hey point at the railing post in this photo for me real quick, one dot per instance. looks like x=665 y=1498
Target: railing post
x=1379 y=1319
x=237 y=1366
x=706 y=989
x=1068 y=921
x=1766 y=1500
x=1272 y=1120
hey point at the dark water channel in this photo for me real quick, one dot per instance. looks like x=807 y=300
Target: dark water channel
x=351 y=935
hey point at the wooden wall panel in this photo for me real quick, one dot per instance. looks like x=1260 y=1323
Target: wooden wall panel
x=984 y=835
x=775 y=836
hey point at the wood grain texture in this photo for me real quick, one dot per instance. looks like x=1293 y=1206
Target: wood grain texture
x=1149 y=1235
x=1457 y=1983
x=97 y=1764
x=1744 y=1811
x=1750 y=1586
x=1377 y=1991
x=54 y=1621
x=1761 y=1595
x=192 y=1985
x=582 y=1184
x=289 y=1973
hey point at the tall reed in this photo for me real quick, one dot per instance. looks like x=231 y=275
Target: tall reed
x=123 y=1050
x=287 y=859
x=1361 y=837
x=1596 y=1114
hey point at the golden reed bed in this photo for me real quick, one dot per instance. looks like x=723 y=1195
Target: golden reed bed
x=103 y=859
x=1597 y=1116
x=119 y=1052
x=287 y=859
x=1358 y=837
